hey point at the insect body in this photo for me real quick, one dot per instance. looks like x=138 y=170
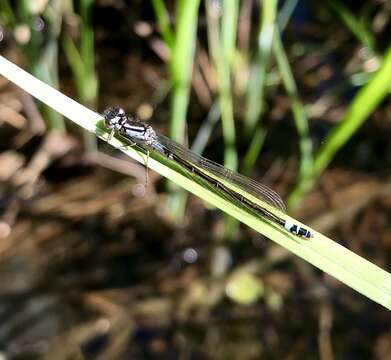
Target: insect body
x=137 y=132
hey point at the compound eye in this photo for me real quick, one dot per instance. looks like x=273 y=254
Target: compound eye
x=112 y=117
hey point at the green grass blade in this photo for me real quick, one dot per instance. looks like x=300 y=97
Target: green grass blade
x=181 y=65
x=298 y=110
x=205 y=131
x=285 y=14
x=221 y=63
x=322 y=252
x=255 y=92
x=254 y=149
x=358 y=28
x=363 y=104
x=222 y=24
x=75 y=61
x=258 y=77
x=163 y=20
x=229 y=24
x=41 y=51
x=82 y=63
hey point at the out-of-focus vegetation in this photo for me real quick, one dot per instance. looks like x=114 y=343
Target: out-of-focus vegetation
x=295 y=90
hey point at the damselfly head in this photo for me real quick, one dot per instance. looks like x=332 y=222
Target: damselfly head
x=114 y=117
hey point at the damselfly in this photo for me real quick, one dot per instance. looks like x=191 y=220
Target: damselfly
x=229 y=183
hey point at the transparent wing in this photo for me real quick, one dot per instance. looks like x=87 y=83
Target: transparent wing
x=246 y=184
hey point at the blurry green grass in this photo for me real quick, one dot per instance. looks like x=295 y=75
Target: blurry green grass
x=41 y=50
x=181 y=41
x=362 y=105
x=221 y=25
x=40 y=44
x=82 y=62
x=255 y=98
